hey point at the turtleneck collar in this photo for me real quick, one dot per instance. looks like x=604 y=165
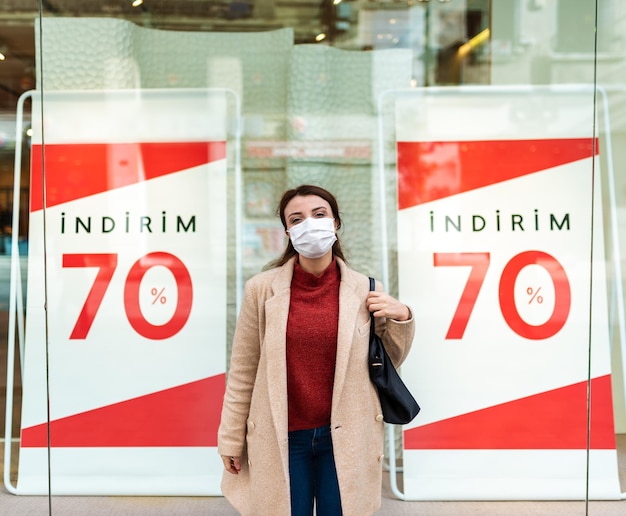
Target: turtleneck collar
x=307 y=280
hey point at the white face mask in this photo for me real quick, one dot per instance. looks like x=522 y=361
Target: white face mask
x=313 y=238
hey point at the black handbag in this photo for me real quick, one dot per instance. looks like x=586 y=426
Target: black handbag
x=399 y=406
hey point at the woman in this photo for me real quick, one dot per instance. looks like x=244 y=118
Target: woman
x=301 y=420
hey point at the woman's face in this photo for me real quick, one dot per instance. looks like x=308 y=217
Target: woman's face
x=305 y=206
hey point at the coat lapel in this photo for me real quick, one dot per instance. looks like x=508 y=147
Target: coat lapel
x=275 y=350
x=349 y=305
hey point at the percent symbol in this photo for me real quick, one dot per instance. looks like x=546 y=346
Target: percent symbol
x=158 y=296
x=534 y=294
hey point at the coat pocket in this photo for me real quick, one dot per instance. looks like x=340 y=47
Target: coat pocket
x=364 y=329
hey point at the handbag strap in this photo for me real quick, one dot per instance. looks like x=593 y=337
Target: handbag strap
x=372 y=322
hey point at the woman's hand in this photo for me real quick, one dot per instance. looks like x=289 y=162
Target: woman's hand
x=382 y=304
x=232 y=464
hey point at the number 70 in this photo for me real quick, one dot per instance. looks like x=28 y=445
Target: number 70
x=479 y=263
x=106 y=263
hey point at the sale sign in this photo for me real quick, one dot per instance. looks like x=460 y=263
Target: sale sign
x=126 y=303
x=501 y=255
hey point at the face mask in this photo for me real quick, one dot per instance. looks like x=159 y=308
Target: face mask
x=313 y=238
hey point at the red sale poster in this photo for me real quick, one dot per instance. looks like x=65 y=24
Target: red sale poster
x=501 y=256
x=126 y=303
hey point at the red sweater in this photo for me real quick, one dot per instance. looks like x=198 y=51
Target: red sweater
x=312 y=346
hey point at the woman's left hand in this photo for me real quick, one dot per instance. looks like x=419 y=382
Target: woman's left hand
x=382 y=304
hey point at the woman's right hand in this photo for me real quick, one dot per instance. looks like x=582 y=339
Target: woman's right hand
x=232 y=464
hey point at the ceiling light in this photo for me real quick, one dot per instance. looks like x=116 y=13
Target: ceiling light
x=320 y=37
x=137 y=3
x=336 y=2
x=479 y=39
x=2 y=56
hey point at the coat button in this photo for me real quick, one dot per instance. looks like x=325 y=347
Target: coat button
x=249 y=463
x=251 y=425
x=380 y=459
x=379 y=418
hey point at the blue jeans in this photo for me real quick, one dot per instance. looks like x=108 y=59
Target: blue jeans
x=312 y=473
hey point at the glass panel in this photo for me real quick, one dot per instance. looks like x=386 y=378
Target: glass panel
x=473 y=147
x=481 y=236
x=17 y=75
x=610 y=82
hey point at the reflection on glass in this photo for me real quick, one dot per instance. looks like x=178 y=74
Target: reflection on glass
x=322 y=91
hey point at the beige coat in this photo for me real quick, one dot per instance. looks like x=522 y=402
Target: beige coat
x=254 y=416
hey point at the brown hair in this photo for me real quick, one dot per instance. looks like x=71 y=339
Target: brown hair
x=304 y=190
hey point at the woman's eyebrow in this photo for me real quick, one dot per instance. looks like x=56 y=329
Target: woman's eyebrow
x=312 y=210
